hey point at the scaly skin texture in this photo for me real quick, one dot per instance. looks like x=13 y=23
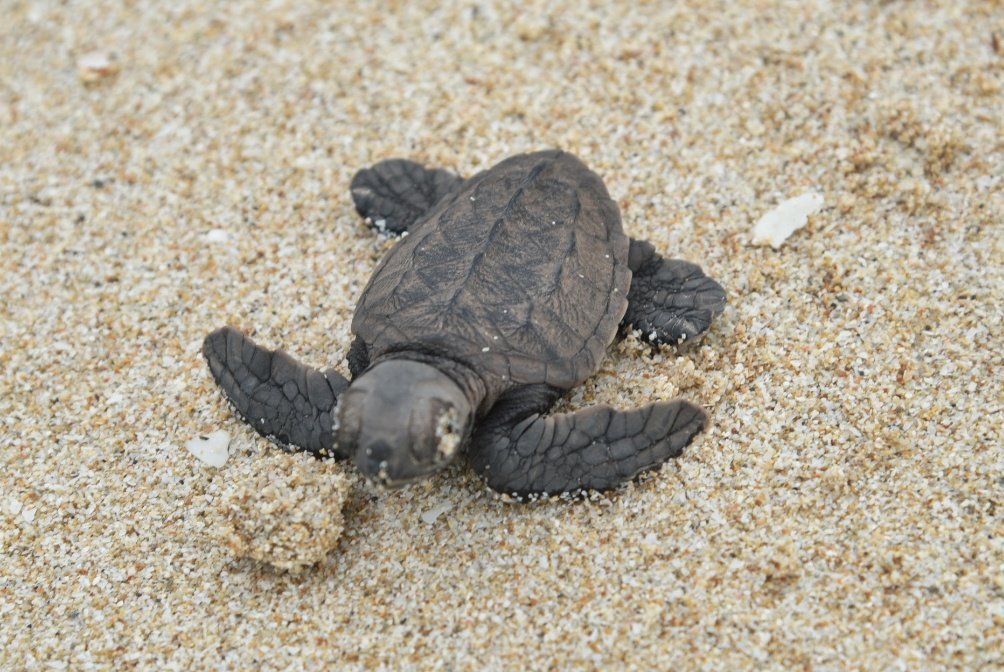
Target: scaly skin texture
x=505 y=293
x=283 y=400
x=522 y=453
x=670 y=300
x=395 y=193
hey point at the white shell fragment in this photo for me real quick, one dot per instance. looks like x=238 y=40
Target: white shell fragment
x=430 y=516
x=218 y=236
x=95 y=65
x=777 y=225
x=213 y=449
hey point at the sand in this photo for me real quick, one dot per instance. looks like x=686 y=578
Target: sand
x=166 y=169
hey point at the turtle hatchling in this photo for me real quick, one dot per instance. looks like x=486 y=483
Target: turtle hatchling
x=506 y=292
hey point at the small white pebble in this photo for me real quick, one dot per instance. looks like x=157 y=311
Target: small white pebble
x=217 y=236
x=28 y=514
x=777 y=225
x=14 y=506
x=485 y=349
x=95 y=65
x=430 y=516
x=213 y=449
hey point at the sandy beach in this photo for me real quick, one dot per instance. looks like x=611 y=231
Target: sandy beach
x=170 y=167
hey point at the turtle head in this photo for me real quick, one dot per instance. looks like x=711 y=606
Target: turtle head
x=401 y=421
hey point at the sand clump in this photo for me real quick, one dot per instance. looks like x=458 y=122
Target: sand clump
x=282 y=509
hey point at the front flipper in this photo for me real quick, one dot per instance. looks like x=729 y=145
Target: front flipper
x=670 y=300
x=523 y=454
x=394 y=193
x=282 y=399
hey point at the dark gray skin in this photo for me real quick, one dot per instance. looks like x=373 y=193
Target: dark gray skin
x=505 y=293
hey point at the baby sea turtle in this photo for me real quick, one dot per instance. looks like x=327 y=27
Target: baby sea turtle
x=505 y=293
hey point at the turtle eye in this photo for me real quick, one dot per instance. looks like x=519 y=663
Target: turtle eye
x=347 y=422
x=447 y=431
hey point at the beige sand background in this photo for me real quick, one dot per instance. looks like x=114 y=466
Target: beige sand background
x=844 y=511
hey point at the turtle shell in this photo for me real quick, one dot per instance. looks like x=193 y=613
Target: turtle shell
x=521 y=274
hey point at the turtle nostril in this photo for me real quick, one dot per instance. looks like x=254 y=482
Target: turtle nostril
x=377 y=456
x=378 y=451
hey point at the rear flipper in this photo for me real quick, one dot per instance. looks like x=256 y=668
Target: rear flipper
x=525 y=455
x=282 y=399
x=395 y=193
x=670 y=300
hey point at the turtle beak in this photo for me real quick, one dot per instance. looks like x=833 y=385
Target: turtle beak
x=376 y=461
